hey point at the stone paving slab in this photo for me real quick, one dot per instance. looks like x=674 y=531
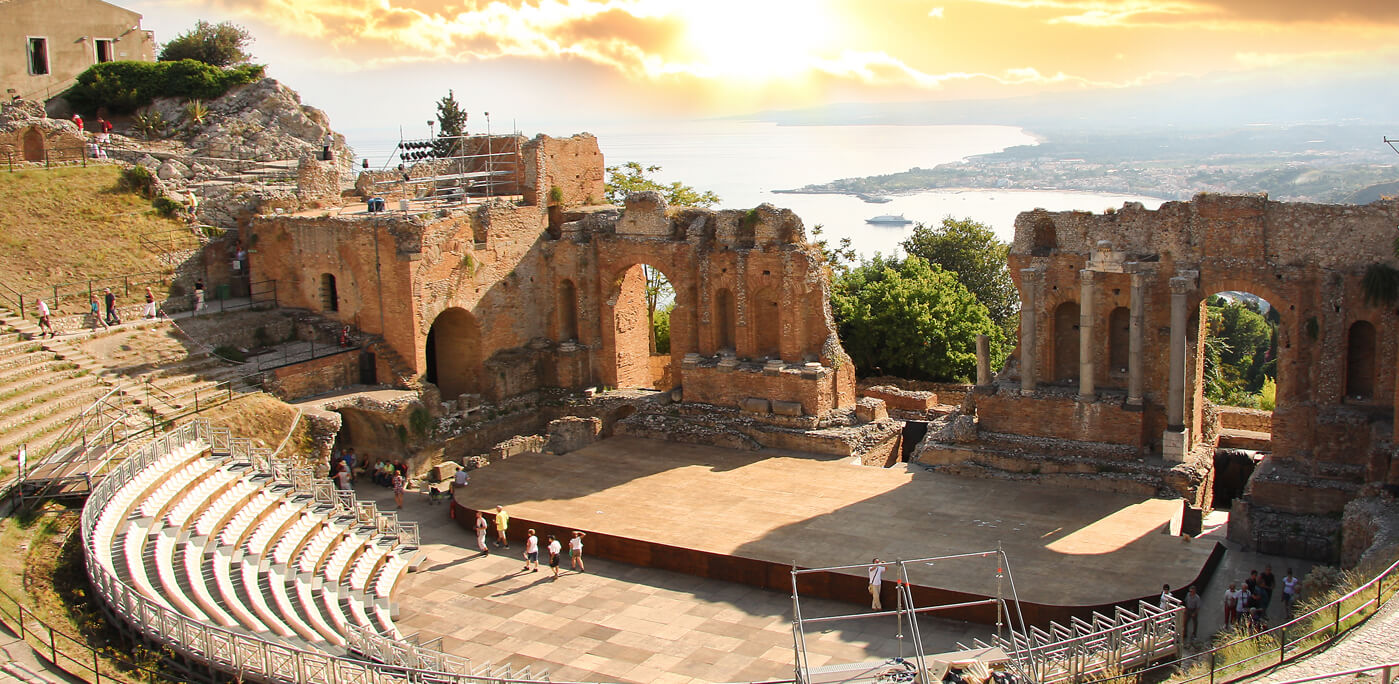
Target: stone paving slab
x=1066 y=547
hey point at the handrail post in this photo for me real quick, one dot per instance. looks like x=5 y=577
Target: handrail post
x=1336 y=627
x=1212 y=654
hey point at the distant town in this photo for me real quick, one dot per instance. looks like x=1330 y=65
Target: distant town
x=1304 y=164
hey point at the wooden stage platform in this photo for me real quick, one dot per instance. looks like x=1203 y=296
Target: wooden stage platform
x=748 y=517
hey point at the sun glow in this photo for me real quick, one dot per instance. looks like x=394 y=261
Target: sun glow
x=755 y=39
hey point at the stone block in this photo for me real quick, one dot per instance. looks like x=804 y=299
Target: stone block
x=645 y=215
x=868 y=410
x=444 y=471
x=787 y=408
x=573 y=433
x=755 y=405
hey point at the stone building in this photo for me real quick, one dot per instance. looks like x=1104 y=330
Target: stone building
x=44 y=44
x=544 y=289
x=1109 y=369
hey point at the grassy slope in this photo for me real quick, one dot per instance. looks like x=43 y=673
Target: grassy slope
x=72 y=224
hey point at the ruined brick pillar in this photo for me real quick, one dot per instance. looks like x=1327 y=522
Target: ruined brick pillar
x=1029 y=286
x=1134 y=340
x=983 y=361
x=1175 y=441
x=1086 y=389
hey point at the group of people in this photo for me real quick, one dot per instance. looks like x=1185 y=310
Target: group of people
x=112 y=317
x=97 y=146
x=384 y=473
x=531 y=554
x=1249 y=604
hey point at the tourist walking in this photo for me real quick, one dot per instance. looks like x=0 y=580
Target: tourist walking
x=349 y=458
x=342 y=478
x=44 y=323
x=502 y=523
x=1192 y=613
x=555 y=549
x=110 y=300
x=481 y=533
x=198 y=295
x=1165 y=596
x=1289 y=591
x=575 y=551
x=96 y=313
x=149 y=311
x=399 y=483
x=1231 y=600
x=876 y=583
x=1267 y=581
x=531 y=551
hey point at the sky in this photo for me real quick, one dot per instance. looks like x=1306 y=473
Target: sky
x=540 y=63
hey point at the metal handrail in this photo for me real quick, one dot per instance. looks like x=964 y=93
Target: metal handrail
x=245 y=654
x=1385 y=678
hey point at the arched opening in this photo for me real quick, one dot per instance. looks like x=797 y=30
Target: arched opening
x=764 y=313
x=1065 y=336
x=568 y=311
x=642 y=301
x=454 y=354
x=1045 y=239
x=1360 y=361
x=330 y=299
x=33 y=145
x=725 y=319
x=1119 y=342
x=1239 y=355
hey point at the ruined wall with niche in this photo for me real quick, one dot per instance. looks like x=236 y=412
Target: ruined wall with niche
x=1084 y=277
x=489 y=301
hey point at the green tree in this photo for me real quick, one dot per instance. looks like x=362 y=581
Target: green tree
x=632 y=177
x=1240 y=351
x=971 y=250
x=839 y=258
x=222 y=45
x=913 y=320
x=451 y=118
x=660 y=299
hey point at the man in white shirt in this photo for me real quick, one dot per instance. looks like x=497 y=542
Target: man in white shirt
x=876 y=581
x=532 y=551
x=44 y=322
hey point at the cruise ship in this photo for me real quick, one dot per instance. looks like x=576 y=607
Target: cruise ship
x=889 y=220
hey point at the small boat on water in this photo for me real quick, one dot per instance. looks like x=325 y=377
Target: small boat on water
x=889 y=220
x=876 y=199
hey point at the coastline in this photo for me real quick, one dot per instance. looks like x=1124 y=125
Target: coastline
x=962 y=189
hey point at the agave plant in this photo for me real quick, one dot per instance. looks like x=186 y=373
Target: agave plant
x=150 y=123
x=196 y=111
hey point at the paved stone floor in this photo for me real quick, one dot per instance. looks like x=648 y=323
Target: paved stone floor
x=618 y=622
x=1066 y=547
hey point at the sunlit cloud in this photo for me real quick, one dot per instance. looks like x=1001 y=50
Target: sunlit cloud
x=936 y=12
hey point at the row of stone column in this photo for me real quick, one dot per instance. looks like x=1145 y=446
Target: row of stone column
x=1031 y=279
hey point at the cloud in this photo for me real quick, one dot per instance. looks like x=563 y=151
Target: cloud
x=935 y=12
x=1196 y=12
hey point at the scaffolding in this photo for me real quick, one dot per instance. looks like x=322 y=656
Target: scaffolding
x=918 y=665
x=474 y=167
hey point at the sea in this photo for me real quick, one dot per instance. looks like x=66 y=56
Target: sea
x=745 y=161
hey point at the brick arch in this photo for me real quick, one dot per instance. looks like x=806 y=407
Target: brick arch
x=626 y=329
x=453 y=353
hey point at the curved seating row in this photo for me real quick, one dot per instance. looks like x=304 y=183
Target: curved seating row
x=225 y=543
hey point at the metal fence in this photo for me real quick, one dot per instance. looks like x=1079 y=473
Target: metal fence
x=247 y=656
x=1084 y=650
x=1247 y=656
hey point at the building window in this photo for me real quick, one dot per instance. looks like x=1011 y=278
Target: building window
x=103 y=48
x=38 y=56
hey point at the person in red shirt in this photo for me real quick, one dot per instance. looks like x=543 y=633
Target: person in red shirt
x=78 y=121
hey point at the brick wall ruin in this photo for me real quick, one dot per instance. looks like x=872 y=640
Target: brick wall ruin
x=1111 y=338
x=494 y=300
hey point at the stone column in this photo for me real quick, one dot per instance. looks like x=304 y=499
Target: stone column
x=1175 y=389
x=983 y=361
x=1086 y=389
x=1175 y=441
x=1029 y=281
x=1134 y=348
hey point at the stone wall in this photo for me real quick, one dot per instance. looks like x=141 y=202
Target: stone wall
x=901 y=399
x=573 y=165
x=509 y=306
x=1059 y=417
x=1239 y=418
x=313 y=377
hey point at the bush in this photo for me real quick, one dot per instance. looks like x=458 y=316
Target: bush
x=218 y=44
x=150 y=123
x=137 y=179
x=129 y=86
x=167 y=207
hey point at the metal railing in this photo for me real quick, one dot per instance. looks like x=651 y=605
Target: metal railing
x=1085 y=649
x=1386 y=670
x=66 y=155
x=243 y=655
x=1247 y=656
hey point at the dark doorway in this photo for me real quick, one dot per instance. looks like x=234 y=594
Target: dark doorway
x=330 y=298
x=368 y=369
x=914 y=431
